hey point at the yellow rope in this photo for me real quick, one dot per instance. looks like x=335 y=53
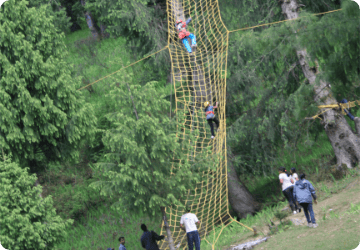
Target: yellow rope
x=260 y=25
x=123 y=68
x=331 y=106
x=207 y=67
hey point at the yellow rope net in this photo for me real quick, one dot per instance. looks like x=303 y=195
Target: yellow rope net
x=199 y=77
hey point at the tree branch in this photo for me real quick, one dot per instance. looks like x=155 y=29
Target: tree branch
x=137 y=118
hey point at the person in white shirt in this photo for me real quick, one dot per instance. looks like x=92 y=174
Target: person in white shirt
x=295 y=178
x=192 y=233
x=294 y=175
x=287 y=187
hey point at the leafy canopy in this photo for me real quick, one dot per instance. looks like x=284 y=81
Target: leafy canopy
x=27 y=221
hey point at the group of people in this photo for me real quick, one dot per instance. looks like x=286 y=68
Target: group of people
x=187 y=222
x=299 y=193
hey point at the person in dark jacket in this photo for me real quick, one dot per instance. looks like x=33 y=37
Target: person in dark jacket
x=148 y=239
x=303 y=190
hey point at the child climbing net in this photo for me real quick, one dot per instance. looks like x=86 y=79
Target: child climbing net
x=184 y=34
x=210 y=117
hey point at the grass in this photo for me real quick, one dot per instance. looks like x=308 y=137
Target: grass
x=98 y=227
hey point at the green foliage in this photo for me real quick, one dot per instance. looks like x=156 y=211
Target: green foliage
x=334 y=41
x=143 y=147
x=142 y=22
x=268 y=95
x=27 y=220
x=42 y=113
x=281 y=215
x=53 y=8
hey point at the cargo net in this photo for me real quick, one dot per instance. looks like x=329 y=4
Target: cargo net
x=199 y=77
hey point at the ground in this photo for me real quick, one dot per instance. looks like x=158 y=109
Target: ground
x=339 y=230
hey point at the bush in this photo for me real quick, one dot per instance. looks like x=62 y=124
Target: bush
x=27 y=220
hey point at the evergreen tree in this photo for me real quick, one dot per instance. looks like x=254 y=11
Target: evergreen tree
x=54 y=8
x=27 y=221
x=42 y=115
x=142 y=149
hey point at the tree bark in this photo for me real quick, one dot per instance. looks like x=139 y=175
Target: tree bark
x=167 y=228
x=90 y=22
x=240 y=198
x=345 y=141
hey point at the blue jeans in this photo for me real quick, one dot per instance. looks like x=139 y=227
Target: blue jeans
x=193 y=237
x=288 y=193
x=346 y=111
x=308 y=209
x=186 y=42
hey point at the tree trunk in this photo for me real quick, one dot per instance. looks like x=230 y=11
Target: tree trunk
x=104 y=34
x=240 y=198
x=345 y=141
x=90 y=22
x=167 y=228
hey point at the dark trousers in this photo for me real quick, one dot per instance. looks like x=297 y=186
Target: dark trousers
x=308 y=209
x=193 y=237
x=288 y=193
x=210 y=121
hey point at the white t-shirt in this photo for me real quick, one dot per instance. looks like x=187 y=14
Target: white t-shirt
x=294 y=176
x=286 y=181
x=189 y=221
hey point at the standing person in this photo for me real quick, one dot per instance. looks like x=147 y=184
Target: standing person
x=295 y=178
x=122 y=243
x=148 y=239
x=210 y=117
x=302 y=193
x=189 y=220
x=287 y=187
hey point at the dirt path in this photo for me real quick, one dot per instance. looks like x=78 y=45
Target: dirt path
x=332 y=233
x=344 y=230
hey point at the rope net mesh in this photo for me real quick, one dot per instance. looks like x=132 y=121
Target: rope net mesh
x=199 y=77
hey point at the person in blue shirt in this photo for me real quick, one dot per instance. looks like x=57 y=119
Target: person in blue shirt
x=122 y=243
x=303 y=190
x=148 y=239
x=210 y=117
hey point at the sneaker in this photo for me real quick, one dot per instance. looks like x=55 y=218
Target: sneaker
x=193 y=45
x=212 y=137
x=294 y=212
x=310 y=225
x=315 y=225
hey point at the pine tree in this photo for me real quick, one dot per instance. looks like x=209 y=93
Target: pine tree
x=146 y=164
x=27 y=221
x=42 y=115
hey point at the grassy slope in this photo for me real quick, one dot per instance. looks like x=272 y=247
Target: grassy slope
x=97 y=227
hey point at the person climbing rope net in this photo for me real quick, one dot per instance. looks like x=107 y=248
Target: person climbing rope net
x=210 y=117
x=184 y=34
